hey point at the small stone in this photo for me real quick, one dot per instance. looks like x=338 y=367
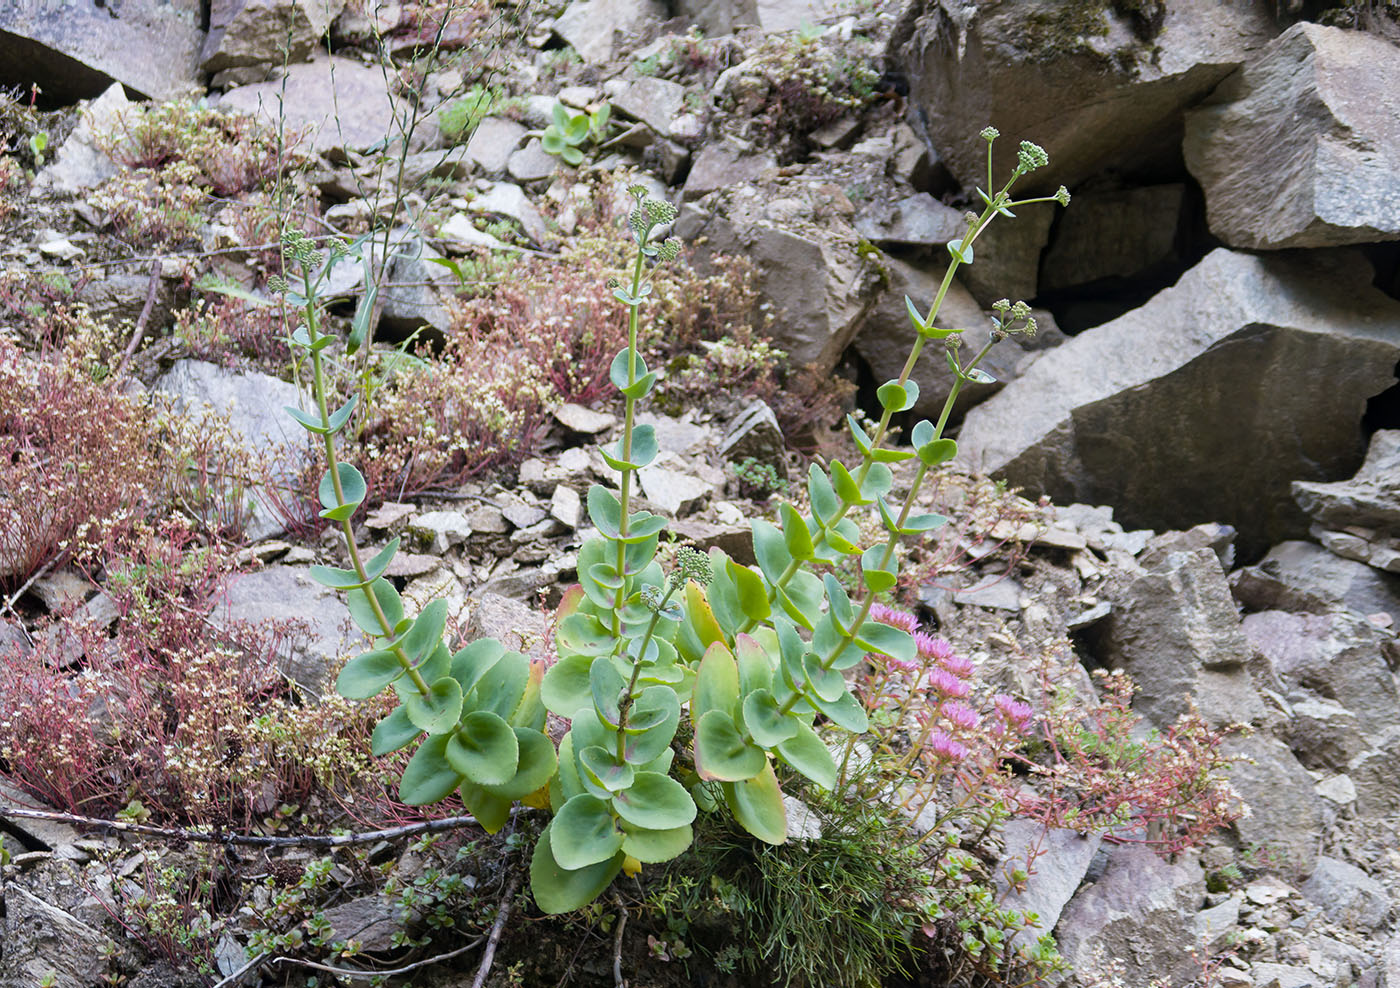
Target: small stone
x=1058 y=538
x=507 y=199
x=1338 y=789
x=532 y=162
x=1284 y=976
x=1268 y=891
x=444 y=528
x=578 y=418
x=566 y=506
x=412 y=564
x=460 y=232
x=674 y=492
x=1349 y=896
x=493 y=142
x=655 y=102
x=61 y=248
x=802 y=823
x=523 y=515
x=489 y=519
x=838 y=133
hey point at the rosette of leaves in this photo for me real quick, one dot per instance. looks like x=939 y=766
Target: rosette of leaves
x=475 y=714
x=568 y=133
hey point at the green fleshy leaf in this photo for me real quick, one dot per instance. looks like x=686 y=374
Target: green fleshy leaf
x=393 y=732
x=584 y=833
x=491 y=811
x=770 y=549
x=797 y=537
x=655 y=801
x=438 y=710
x=716 y=682
x=822 y=494
x=560 y=890
x=757 y=804
x=582 y=634
x=722 y=753
x=896 y=397
x=876 y=579
x=655 y=846
x=937 y=451
x=363 y=614
x=566 y=688
x=605 y=686
x=802 y=598
x=426 y=633
x=844 y=712
x=660 y=709
x=469 y=664
x=502 y=687
x=566 y=782
x=755 y=667
x=768 y=726
x=368 y=674
x=429 y=777
x=753 y=595
x=897 y=643
x=826 y=683
x=605 y=510
x=484 y=749
x=914 y=316
x=535 y=765
x=978 y=376
x=961 y=253
x=806 y=753
x=605 y=773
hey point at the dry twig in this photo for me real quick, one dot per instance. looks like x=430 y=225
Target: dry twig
x=502 y=914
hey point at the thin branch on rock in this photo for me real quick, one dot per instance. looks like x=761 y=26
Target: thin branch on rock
x=140 y=331
x=247 y=840
x=618 y=980
x=502 y=914
x=350 y=972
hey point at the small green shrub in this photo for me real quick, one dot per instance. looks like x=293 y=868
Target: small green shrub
x=744 y=662
x=568 y=133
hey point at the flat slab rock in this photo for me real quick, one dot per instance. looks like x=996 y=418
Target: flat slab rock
x=1207 y=402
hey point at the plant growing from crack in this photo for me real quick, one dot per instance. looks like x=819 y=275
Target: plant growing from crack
x=751 y=659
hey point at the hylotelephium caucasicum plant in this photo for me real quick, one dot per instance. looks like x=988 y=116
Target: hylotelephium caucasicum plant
x=751 y=659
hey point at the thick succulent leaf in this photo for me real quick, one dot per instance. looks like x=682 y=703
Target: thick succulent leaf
x=655 y=846
x=501 y=689
x=897 y=643
x=655 y=801
x=722 y=753
x=534 y=768
x=363 y=614
x=757 y=804
x=485 y=749
x=393 y=732
x=352 y=486
x=825 y=504
x=566 y=782
x=699 y=616
x=560 y=890
x=436 y=711
x=755 y=667
x=845 y=711
x=769 y=549
x=765 y=723
x=797 y=537
x=491 y=811
x=877 y=579
x=471 y=663
x=565 y=688
x=426 y=633
x=584 y=833
x=660 y=709
x=826 y=683
x=368 y=674
x=429 y=777
x=716 y=682
x=602 y=769
x=806 y=753
x=802 y=598
x=752 y=593
x=530 y=712
x=606 y=686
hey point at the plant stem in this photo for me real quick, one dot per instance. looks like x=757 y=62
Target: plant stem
x=629 y=421
x=333 y=464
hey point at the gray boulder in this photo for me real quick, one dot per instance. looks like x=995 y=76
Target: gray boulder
x=755 y=434
x=79 y=164
x=1155 y=412
x=286 y=593
x=1360 y=518
x=255 y=35
x=1062 y=860
x=1285 y=813
x=415 y=292
x=44 y=942
x=596 y=27
x=75 y=51
x=1336 y=655
x=1301 y=147
x=493 y=142
x=1175 y=631
x=719 y=165
x=1303 y=576
x=1348 y=895
x=655 y=102
x=251 y=404
x=1093 y=87
x=1138 y=911
x=342 y=104
x=809 y=272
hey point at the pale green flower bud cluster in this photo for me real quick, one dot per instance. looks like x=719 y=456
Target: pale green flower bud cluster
x=990 y=134
x=692 y=564
x=1030 y=157
x=1012 y=319
x=301 y=249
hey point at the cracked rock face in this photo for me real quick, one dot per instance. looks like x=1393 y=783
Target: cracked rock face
x=1301 y=147
x=1264 y=360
